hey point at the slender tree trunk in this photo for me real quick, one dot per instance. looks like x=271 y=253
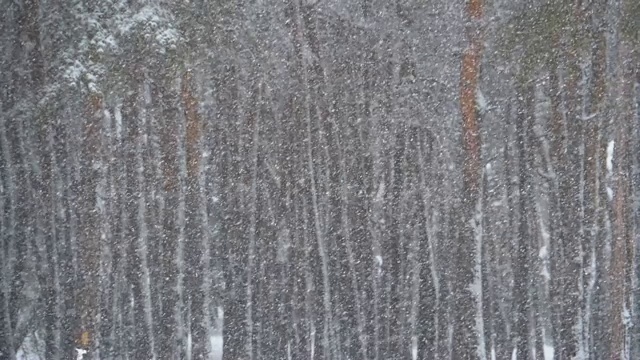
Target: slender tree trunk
x=430 y=301
x=522 y=262
x=620 y=272
x=253 y=303
x=89 y=237
x=169 y=341
x=46 y=187
x=63 y=243
x=635 y=240
x=195 y=235
x=465 y=339
x=135 y=232
x=234 y=229
x=594 y=178
x=8 y=244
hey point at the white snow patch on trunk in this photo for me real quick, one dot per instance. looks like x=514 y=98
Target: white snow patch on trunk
x=610 y=148
x=379 y=260
x=414 y=349
x=216 y=346
x=481 y=101
x=549 y=351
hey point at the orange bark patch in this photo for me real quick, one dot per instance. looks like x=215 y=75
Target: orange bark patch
x=470 y=128
x=89 y=223
x=93 y=123
x=95 y=103
x=85 y=339
x=475 y=9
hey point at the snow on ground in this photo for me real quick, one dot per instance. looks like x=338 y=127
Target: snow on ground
x=28 y=355
x=80 y=353
x=31 y=349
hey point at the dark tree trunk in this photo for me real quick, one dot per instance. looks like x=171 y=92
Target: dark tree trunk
x=169 y=342
x=89 y=227
x=194 y=232
x=521 y=261
x=463 y=301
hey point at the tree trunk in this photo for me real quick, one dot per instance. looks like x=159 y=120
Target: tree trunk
x=195 y=234
x=169 y=341
x=620 y=272
x=522 y=262
x=89 y=225
x=464 y=302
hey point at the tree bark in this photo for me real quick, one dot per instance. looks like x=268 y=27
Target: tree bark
x=195 y=234
x=465 y=339
x=89 y=227
x=522 y=261
x=169 y=342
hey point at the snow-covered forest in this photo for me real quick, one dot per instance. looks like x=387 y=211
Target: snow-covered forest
x=320 y=179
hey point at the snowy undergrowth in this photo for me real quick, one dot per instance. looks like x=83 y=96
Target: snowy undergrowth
x=32 y=348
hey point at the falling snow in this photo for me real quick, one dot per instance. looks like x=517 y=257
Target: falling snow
x=319 y=179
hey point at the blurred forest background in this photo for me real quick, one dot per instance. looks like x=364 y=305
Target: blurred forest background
x=332 y=179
